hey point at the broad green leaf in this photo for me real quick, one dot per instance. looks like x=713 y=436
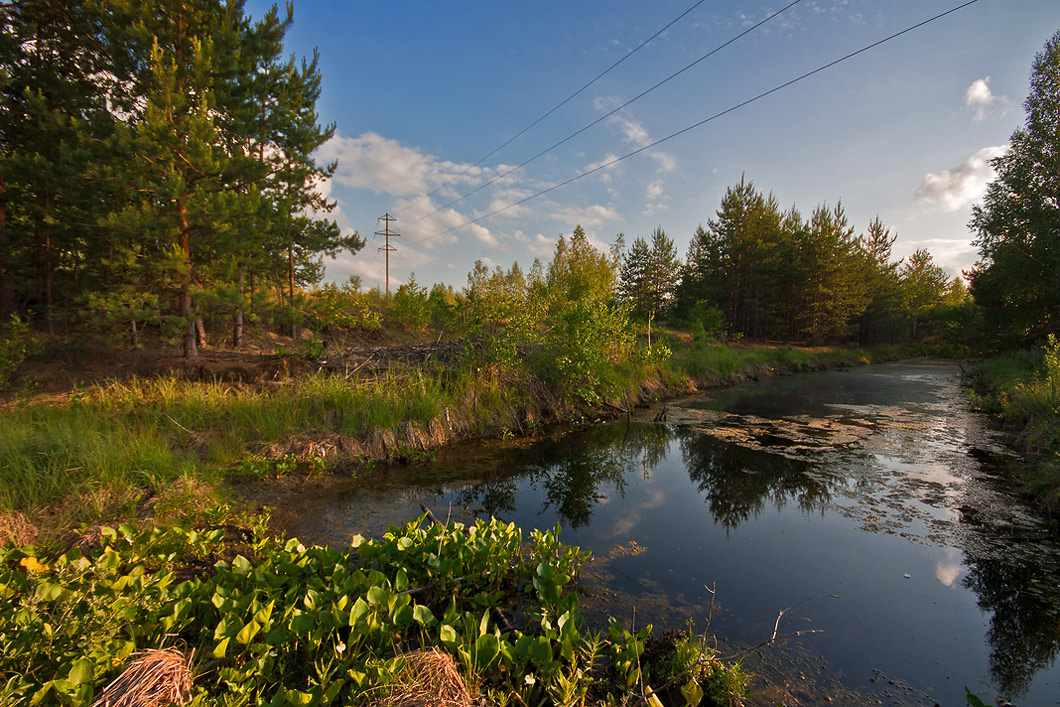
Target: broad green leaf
x=692 y=693
x=221 y=648
x=297 y=697
x=358 y=610
x=402 y=616
x=423 y=616
x=447 y=634
x=241 y=566
x=303 y=624
x=486 y=648
x=377 y=595
x=49 y=591
x=247 y=633
x=401 y=581
x=83 y=670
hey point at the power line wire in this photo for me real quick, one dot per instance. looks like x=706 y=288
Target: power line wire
x=701 y=122
x=555 y=107
x=640 y=95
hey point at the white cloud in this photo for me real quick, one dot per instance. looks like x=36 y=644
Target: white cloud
x=483 y=235
x=374 y=162
x=588 y=216
x=980 y=99
x=654 y=190
x=539 y=246
x=385 y=166
x=632 y=130
x=504 y=198
x=607 y=172
x=961 y=185
x=666 y=161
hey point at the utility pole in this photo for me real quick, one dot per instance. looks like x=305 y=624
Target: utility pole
x=386 y=219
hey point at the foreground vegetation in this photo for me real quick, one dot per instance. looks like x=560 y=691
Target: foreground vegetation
x=283 y=624
x=1023 y=389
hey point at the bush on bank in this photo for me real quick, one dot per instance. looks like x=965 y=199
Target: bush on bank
x=1023 y=389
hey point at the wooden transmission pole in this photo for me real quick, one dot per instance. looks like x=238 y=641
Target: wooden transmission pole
x=386 y=219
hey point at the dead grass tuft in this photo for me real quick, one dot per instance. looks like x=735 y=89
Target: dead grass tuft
x=428 y=679
x=16 y=528
x=157 y=679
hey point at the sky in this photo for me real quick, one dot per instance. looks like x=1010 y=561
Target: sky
x=421 y=94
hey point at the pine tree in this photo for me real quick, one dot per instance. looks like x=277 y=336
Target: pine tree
x=222 y=139
x=879 y=322
x=634 y=277
x=55 y=80
x=663 y=273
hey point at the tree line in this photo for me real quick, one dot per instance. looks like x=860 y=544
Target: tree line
x=761 y=272
x=157 y=170
x=156 y=164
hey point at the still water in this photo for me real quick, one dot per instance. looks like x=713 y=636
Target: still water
x=874 y=484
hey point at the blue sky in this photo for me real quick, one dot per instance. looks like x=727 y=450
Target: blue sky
x=420 y=91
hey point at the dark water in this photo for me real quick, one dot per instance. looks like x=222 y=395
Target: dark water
x=875 y=484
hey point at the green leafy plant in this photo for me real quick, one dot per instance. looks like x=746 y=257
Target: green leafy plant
x=17 y=344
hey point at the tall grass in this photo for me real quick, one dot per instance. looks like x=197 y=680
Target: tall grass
x=133 y=437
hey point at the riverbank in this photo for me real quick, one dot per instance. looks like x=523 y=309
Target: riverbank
x=1023 y=390
x=163 y=448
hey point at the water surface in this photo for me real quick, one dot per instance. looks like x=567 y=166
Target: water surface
x=874 y=484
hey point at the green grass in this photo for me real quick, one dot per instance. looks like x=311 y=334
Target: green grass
x=1023 y=389
x=702 y=359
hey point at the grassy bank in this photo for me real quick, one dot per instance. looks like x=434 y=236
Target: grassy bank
x=164 y=446
x=1023 y=390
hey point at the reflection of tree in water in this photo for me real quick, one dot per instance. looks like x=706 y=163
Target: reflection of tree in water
x=737 y=482
x=1024 y=601
x=572 y=470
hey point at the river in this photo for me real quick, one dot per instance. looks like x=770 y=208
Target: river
x=875 y=484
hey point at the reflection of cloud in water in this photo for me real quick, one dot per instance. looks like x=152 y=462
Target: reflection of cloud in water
x=631 y=518
x=949 y=570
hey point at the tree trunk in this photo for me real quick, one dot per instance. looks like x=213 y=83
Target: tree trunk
x=237 y=321
x=7 y=296
x=200 y=331
x=135 y=334
x=190 y=349
x=49 y=279
x=290 y=287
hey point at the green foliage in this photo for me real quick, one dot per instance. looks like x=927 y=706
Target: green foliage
x=411 y=305
x=17 y=344
x=1024 y=390
x=584 y=344
x=334 y=307
x=282 y=623
x=278 y=468
x=1017 y=224
x=707 y=322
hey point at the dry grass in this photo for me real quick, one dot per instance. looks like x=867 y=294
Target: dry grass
x=428 y=679
x=157 y=679
x=16 y=528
